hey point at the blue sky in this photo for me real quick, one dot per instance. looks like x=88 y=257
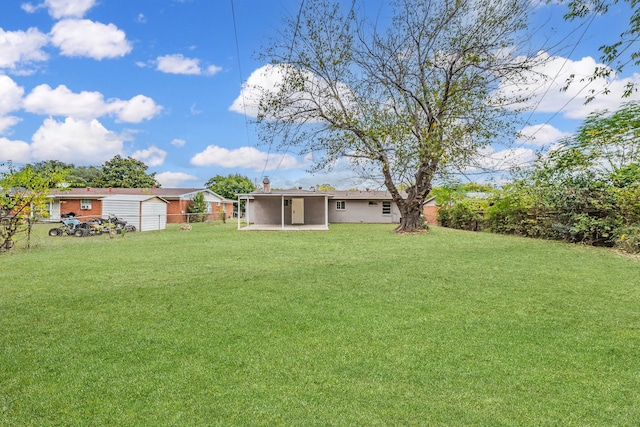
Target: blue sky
x=160 y=80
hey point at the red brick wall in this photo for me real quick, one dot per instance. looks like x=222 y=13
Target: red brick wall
x=73 y=205
x=174 y=211
x=431 y=214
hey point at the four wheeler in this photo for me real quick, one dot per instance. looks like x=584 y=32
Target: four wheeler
x=95 y=226
x=67 y=226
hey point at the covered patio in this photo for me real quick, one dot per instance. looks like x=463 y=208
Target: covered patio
x=284 y=210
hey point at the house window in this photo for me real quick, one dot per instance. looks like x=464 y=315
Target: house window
x=386 y=208
x=341 y=205
x=286 y=202
x=85 y=204
x=373 y=203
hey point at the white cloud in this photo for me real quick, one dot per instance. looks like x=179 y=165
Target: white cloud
x=213 y=69
x=61 y=101
x=503 y=160
x=173 y=179
x=269 y=78
x=82 y=37
x=178 y=142
x=75 y=141
x=21 y=47
x=7 y=122
x=10 y=95
x=10 y=100
x=178 y=64
x=137 y=109
x=547 y=96
x=62 y=8
x=541 y=135
x=245 y=157
x=15 y=151
x=152 y=156
x=264 y=78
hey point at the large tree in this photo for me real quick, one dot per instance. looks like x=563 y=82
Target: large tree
x=230 y=186
x=404 y=103
x=125 y=173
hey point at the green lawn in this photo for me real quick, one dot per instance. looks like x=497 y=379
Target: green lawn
x=355 y=326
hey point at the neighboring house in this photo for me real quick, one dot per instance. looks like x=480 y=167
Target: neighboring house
x=430 y=210
x=88 y=202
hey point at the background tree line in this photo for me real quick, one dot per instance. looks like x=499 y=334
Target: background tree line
x=118 y=172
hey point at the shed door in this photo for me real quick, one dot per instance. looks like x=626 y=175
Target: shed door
x=297 y=211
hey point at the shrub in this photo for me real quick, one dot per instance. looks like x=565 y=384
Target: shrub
x=628 y=239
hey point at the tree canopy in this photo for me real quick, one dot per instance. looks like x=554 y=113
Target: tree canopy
x=125 y=173
x=402 y=104
x=230 y=186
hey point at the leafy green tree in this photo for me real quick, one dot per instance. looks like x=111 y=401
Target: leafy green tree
x=84 y=176
x=404 y=104
x=606 y=143
x=23 y=201
x=230 y=186
x=52 y=168
x=623 y=51
x=326 y=187
x=125 y=173
x=197 y=208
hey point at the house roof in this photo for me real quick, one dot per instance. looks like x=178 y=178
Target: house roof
x=133 y=197
x=361 y=195
x=296 y=192
x=165 y=193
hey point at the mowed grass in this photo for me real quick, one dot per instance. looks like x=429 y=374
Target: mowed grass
x=355 y=326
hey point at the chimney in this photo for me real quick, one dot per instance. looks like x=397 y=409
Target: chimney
x=266 y=185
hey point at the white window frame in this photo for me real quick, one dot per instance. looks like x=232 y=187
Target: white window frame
x=85 y=204
x=341 y=205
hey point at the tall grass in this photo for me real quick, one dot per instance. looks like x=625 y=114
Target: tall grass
x=355 y=326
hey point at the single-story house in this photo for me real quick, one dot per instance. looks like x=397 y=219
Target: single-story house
x=303 y=209
x=88 y=202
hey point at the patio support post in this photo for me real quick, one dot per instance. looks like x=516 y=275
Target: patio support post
x=239 y=198
x=326 y=211
x=282 y=210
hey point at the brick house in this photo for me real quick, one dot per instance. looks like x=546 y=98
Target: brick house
x=88 y=202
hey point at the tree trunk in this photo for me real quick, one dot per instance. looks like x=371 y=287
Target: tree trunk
x=412 y=220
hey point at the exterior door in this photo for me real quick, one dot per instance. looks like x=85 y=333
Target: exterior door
x=297 y=211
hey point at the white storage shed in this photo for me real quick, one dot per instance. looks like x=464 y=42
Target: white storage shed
x=146 y=213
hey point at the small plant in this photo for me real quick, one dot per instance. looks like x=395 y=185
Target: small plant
x=629 y=239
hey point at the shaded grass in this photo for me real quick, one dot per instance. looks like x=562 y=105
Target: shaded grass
x=357 y=326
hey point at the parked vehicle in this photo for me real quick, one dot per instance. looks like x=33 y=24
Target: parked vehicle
x=74 y=227
x=67 y=226
x=120 y=224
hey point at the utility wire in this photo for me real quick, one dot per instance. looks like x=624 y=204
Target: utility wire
x=244 y=104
